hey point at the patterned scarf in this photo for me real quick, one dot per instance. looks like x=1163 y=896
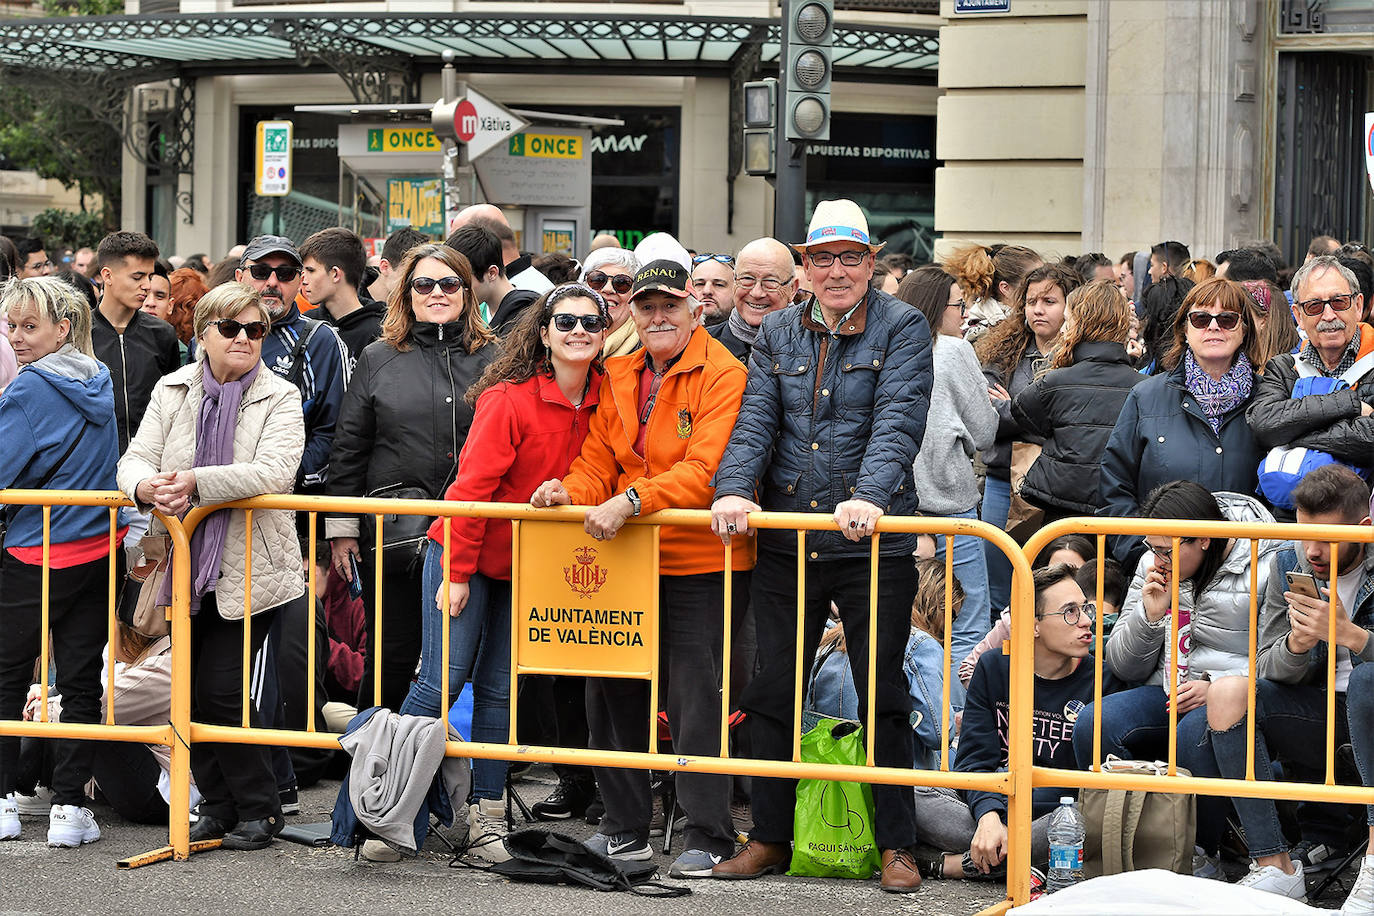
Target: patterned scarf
x=1217 y=397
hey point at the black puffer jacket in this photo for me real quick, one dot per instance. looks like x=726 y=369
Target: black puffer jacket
x=1075 y=409
x=828 y=418
x=138 y=359
x=998 y=457
x=1328 y=422
x=404 y=419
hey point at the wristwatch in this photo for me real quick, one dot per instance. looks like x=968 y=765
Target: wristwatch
x=635 y=501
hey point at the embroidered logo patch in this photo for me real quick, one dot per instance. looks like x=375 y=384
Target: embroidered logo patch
x=684 y=424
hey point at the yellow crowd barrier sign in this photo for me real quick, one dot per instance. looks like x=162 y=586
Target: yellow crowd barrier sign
x=583 y=606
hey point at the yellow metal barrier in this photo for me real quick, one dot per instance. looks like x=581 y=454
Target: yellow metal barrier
x=1100 y=528
x=181 y=732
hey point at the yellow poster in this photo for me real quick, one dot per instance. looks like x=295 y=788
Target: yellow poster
x=582 y=606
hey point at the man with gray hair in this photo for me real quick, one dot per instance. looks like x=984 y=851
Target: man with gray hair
x=1294 y=405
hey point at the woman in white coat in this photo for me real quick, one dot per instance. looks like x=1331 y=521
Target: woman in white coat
x=221 y=429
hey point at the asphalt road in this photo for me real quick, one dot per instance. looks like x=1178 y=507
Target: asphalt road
x=288 y=878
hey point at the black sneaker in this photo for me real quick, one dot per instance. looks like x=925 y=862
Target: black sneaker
x=567 y=801
x=290 y=800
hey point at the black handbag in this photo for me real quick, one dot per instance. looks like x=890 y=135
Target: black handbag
x=403 y=536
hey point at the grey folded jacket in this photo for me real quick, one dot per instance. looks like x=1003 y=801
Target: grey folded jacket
x=395 y=759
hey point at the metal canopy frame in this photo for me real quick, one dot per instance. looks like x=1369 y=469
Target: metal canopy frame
x=368 y=51
x=95 y=61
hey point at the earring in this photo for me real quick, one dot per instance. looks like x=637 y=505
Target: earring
x=546 y=364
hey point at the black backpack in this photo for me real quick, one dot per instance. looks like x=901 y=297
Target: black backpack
x=547 y=857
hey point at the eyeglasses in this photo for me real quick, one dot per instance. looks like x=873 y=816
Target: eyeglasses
x=770 y=284
x=284 y=272
x=1227 y=321
x=1317 y=306
x=229 y=328
x=722 y=258
x=1165 y=553
x=592 y=324
x=1073 y=614
x=621 y=283
x=425 y=285
x=847 y=258
x=961 y=305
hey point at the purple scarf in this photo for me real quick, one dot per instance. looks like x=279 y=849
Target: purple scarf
x=1217 y=397
x=215 y=424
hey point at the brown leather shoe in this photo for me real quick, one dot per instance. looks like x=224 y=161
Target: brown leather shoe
x=900 y=874
x=755 y=860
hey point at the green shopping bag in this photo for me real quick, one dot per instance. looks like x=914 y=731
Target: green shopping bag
x=833 y=826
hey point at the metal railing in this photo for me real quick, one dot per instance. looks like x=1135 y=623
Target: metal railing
x=1020 y=778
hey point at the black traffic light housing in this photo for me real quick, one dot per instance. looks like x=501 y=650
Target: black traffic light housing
x=808 y=39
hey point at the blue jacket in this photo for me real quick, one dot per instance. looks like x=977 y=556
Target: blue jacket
x=831 y=417
x=322 y=380
x=41 y=413
x=924 y=666
x=1162 y=435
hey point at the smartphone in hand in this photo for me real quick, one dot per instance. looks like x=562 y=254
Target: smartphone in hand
x=1301 y=583
x=355 y=585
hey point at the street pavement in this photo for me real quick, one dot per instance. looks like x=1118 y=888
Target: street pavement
x=288 y=878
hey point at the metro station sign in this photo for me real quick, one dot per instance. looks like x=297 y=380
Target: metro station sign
x=475 y=121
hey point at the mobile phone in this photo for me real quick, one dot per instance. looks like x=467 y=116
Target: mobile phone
x=355 y=585
x=1304 y=584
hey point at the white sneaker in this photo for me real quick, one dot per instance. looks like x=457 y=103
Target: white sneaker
x=487 y=829
x=1205 y=866
x=39 y=804
x=1361 y=899
x=71 y=826
x=1272 y=880
x=9 y=818
x=377 y=851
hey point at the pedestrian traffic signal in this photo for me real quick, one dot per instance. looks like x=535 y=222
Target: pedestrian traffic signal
x=760 y=127
x=808 y=36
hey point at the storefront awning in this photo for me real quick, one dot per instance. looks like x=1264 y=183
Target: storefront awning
x=128 y=48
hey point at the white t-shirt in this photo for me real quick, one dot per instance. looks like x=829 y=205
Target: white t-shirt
x=1347 y=587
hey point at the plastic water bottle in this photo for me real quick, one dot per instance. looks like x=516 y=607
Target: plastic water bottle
x=1066 y=846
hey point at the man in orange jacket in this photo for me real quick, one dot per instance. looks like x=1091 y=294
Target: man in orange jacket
x=664 y=418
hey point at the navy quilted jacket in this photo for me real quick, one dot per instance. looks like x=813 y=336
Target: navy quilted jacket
x=830 y=417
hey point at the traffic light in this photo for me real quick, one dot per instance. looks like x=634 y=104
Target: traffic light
x=808 y=35
x=760 y=127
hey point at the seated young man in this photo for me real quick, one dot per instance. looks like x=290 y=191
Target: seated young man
x=1063 y=685
x=1291 y=684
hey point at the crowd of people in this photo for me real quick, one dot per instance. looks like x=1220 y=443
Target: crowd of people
x=817 y=375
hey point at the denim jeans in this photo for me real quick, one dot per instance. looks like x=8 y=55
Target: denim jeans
x=996 y=507
x=1135 y=726
x=478 y=648
x=1360 y=715
x=1290 y=725
x=975 y=618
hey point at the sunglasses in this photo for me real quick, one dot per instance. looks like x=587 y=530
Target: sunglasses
x=1317 y=306
x=425 y=285
x=284 y=273
x=722 y=258
x=592 y=324
x=621 y=283
x=1227 y=321
x=229 y=328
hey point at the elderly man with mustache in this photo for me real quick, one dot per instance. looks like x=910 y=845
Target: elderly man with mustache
x=1327 y=304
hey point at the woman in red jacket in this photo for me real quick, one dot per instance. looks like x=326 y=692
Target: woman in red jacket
x=533 y=406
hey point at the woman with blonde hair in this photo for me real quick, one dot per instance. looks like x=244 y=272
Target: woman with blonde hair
x=990 y=277
x=221 y=429
x=402 y=425
x=57 y=423
x=1075 y=404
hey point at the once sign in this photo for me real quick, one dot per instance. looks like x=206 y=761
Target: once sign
x=582 y=606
